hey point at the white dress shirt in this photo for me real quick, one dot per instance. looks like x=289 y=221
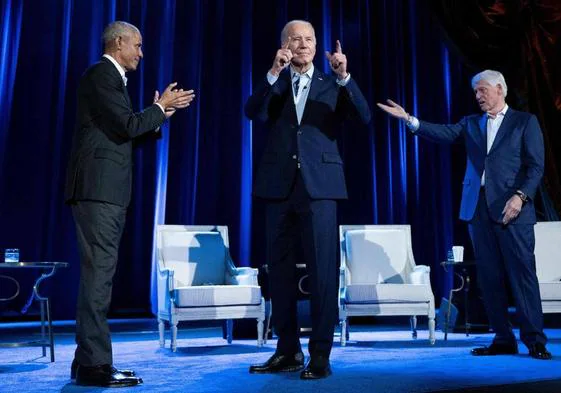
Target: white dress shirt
x=301 y=96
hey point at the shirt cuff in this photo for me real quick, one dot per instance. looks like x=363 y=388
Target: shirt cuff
x=413 y=124
x=344 y=81
x=271 y=78
x=161 y=107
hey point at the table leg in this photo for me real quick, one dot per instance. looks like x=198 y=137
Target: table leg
x=50 y=328
x=447 y=321
x=42 y=305
x=44 y=301
x=466 y=297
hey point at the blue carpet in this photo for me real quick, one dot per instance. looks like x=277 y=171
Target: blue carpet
x=375 y=360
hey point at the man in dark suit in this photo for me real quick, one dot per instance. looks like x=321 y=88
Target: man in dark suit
x=301 y=177
x=98 y=187
x=505 y=163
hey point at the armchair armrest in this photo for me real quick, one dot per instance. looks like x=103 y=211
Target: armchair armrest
x=420 y=275
x=165 y=282
x=242 y=276
x=342 y=286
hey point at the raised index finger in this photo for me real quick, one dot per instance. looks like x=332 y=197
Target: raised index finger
x=285 y=44
x=338 y=48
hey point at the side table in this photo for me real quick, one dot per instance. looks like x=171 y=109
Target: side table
x=48 y=270
x=460 y=271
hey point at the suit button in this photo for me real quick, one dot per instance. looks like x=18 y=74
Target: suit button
x=294 y=157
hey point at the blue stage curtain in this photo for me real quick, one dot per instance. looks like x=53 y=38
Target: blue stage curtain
x=201 y=171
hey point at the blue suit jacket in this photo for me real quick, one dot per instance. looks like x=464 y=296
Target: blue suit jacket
x=515 y=161
x=313 y=143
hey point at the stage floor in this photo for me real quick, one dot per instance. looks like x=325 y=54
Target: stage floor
x=380 y=358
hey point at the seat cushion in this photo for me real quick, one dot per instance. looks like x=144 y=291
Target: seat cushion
x=550 y=290
x=217 y=295
x=197 y=258
x=388 y=293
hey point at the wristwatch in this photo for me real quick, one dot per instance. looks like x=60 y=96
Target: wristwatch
x=522 y=196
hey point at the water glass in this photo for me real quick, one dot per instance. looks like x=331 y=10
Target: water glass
x=11 y=255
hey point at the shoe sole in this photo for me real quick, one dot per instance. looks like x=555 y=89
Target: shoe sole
x=283 y=370
x=318 y=377
x=114 y=385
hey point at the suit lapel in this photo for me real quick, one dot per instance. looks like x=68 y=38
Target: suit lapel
x=482 y=136
x=119 y=78
x=317 y=85
x=285 y=87
x=506 y=125
x=126 y=93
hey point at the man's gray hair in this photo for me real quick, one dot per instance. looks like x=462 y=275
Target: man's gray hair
x=492 y=77
x=117 y=29
x=284 y=32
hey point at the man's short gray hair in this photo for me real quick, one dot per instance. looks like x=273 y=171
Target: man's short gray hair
x=117 y=29
x=492 y=77
x=284 y=32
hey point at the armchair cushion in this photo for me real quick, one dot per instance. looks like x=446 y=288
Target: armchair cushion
x=198 y=258
x=217 y=295
x=388 y=293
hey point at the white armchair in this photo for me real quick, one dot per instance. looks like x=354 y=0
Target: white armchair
x=548 y=264
x=197 y=280
x=379 y=277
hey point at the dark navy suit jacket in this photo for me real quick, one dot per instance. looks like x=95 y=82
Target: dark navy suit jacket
x=515 y=161
x=313 y=143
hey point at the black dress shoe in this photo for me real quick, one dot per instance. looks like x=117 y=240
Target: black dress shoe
x=104 y=376
x=279 y=364
x=318 y=367
x=538 y=351
x=495 y=349
x=75 y=364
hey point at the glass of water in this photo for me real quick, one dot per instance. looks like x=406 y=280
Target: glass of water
x=11 y=255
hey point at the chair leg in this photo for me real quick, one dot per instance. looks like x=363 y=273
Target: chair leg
x=432 y=337
x=161 y=329
x=344 y=333
x=229 y=329
x=173 y=328
x=259 y=332
x=414 y=326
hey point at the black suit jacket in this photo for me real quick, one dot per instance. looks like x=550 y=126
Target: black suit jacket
x=100 y=166
x=313 y=142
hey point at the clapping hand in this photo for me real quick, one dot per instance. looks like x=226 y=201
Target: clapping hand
x=173 y=99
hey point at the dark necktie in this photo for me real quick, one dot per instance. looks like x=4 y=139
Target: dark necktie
x=296 y=85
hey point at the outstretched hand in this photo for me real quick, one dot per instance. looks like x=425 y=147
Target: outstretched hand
x=337 y=61
x=394 y=109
